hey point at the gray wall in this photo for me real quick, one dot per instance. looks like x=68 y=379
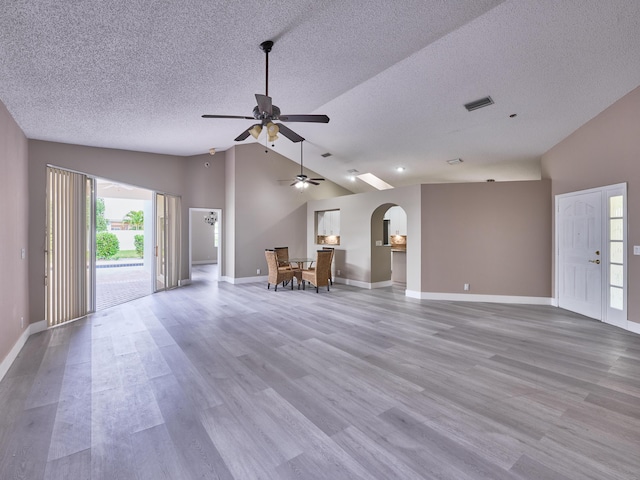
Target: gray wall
x=605 y=151
x=14 y=198
x=263 y=210
x=494 y=236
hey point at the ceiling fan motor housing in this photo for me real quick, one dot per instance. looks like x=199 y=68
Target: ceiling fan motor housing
x=258 y=115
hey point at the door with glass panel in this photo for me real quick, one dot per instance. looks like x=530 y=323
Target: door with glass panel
x=168 y=241
x=591 y=253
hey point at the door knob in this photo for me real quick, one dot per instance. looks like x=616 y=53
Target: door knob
x=597 y=262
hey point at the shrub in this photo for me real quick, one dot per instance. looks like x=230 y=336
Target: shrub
x=107 y=245
x=101 y=222
x=138 y=241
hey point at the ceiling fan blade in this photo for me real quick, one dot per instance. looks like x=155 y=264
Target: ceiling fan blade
x=317 y=179
x=228 y=116
x=294 y=184
x=290 y=134
x=264 y=104
x=305 y=118
x=243 y=135
x=312 y=183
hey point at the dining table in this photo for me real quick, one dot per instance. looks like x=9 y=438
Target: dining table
x=301 y=261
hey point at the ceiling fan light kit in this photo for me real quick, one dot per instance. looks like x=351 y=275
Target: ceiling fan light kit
x=267 y=113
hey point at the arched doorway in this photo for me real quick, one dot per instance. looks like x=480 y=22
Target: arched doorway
x=388 y=246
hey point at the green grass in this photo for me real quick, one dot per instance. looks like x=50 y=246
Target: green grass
x=126 y=254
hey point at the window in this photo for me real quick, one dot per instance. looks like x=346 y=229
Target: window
x=616 y=252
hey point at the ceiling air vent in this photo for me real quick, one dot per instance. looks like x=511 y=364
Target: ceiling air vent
x=483 y=102
x=325 y=155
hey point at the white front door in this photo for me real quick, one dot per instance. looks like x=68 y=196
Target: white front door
x=579 y=253
x=591 y=261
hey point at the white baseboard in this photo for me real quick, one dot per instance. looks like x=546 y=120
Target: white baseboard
x=184 y=282
x=359 y=284
x=204 y=262
x=15 y=351
x=470 y=297
x=238 y=281
x=633 y=327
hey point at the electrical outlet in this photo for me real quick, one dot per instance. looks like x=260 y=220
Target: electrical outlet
x=338 y=273
x=21 y=322
x=23 y=253
x=258 y=271
x=466 y=287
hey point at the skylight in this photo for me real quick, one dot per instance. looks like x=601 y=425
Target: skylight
x=374 y=181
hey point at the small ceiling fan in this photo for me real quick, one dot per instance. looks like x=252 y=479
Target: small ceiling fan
x=302 y=181
x=267 y=113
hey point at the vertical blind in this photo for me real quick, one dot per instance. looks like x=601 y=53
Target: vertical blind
x=68 y=221
x=173 y=240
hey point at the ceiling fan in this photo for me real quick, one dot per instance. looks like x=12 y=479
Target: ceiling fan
x=266 y=113
x=302 y=181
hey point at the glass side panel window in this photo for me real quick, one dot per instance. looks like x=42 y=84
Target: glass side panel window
x=616 y=252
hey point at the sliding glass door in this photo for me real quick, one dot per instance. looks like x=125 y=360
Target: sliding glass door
x=70 y=254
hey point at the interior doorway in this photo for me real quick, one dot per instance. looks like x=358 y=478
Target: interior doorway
x=205 y=242
x=591 y=253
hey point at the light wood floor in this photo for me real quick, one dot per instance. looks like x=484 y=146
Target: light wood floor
x=240 y=382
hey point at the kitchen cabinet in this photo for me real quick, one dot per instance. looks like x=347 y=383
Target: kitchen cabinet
x=397 y=221
x=328 y=223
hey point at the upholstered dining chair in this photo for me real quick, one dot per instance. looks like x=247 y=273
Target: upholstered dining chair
x=319 y=276
x=277 y=274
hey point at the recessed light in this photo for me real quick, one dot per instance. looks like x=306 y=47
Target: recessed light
x=454 y=161
x=513 y=115
x=400 y=169
x=325 y=155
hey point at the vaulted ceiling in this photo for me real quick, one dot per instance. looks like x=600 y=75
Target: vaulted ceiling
x=392 y=76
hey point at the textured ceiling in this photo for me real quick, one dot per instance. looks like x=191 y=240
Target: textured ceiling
x=392 y=76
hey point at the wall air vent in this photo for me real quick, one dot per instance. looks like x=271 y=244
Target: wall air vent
x=483 y=102
x=325 y=155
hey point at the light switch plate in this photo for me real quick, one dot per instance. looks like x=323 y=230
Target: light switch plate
x=636 y=249
x=378 y=243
